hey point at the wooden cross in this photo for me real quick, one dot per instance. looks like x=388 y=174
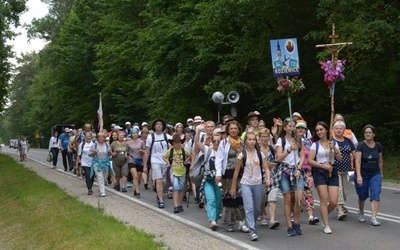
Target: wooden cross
x=335 y=48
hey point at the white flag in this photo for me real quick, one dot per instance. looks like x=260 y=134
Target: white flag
x=100 y=116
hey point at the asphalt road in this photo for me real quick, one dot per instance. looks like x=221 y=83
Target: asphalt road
x=349 y=234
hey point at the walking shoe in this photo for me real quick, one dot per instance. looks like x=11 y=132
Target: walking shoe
x=180 y=209
x=103 y=195
x=253 y=236
x=129 y=184
x=214 y=225
x=297 y=229
x=264 y=222
x=70 y=169
x=313 y=220
x=137 y=195
x=117 y=187
x=201 y=204
x=345 y=210
x=327 y=230
x=361 y=217
x=230 y=228
x=54 y=167
x=375 y=222
x=161 y=204
x=273 y=224
x=342 y=216
x=176 y=210
x=146 y=186
x=124 y=190
x=90 y=192
x=243 y=227
x=291 y=231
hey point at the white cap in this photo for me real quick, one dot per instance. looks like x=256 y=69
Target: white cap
x=144 y=124
x=127 y=123
x=117 y=127
x=189 y=120
x=67 y=130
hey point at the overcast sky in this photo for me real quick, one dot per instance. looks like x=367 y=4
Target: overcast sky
x=21 y=45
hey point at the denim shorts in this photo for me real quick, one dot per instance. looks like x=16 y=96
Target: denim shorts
x=321 y=177
x=178 y=183
x=286 y=186
x=371 y=187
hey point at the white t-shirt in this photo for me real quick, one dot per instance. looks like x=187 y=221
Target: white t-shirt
x=86 y=160
x=323 y=154
x=252 y=170
x=160 y=146
x=294 y=154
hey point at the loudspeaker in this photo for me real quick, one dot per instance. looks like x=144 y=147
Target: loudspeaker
x=233 y=97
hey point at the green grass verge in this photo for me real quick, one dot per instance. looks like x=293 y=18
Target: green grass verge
x=36 y=214
x=391 y=168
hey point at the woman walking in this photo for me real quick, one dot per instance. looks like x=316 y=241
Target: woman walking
x=101 y=152
x=369 y=173
x=323 y=154
x=134 y=153
x=53 y=148
x=252 y=160
x=86 y=160
x=119 y=162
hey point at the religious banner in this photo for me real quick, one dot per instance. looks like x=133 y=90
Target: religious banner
x=285 y=57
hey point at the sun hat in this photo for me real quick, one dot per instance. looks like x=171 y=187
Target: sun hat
x=176 y=137
x=197 y=118
x=189 y=120
x=298 y=115
x=252 y=114
x=164 y=124
x=176 y=125
x=301 y=124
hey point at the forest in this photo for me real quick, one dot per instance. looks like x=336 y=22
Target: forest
x=162 y=58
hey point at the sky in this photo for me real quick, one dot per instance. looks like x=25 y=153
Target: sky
x=20 y=44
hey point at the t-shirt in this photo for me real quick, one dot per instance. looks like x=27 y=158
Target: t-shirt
x=369 y=158
x=133 y=149
x=160 y=146
x=346 y=147
x=293 y=158
x=86 y=160
x=252 y=170
x=64 y=138
x=323 y=154
x=119 y=148
x=178 y=167
x=103 y=150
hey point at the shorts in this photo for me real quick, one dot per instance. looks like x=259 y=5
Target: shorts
x=139 y=168
x=158 y=171
x=120 y=171
x=286 y=186
x=178 y=183
x=273 y=194
x=371 y=187
x=321 y=177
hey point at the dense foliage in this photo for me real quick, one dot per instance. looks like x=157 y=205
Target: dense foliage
x=160 y=58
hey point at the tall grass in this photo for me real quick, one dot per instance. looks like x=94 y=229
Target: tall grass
x=36 y=214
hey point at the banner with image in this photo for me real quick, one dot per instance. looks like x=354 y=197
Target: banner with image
x=285 y=57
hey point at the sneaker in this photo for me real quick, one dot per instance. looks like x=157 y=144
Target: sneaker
x=90 y=192
x=273 y=224
x=109 y=181
x=137 y=195
x=146 y=186
x=129 y=184
x=243 y=227
x=201 y=204
x=264 y=222
x=214 y=225
x=327 y=230
x=361 y=217
x=291 y=231
x=180 y=209
x=341 y=217
x=103 y=195
x=230 y=228
x=117 y=187
x=375 y=222
x=253 y=236
x=124 y=190
x=70 y=169
x=297 y=229
x=313 y=220
x=161 y=204
x=345 y=210
x=176 y=210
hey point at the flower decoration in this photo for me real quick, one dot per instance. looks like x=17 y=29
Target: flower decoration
x=332 y=74
x=289 y=86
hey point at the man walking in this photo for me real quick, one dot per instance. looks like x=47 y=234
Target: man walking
x=63 y=141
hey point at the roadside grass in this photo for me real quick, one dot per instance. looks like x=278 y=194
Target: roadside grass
x=391 y=168
x=36 y=214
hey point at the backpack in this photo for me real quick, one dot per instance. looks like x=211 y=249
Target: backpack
x=197 y=173
x=244 y=162
x=171 y=155
x=153 y=139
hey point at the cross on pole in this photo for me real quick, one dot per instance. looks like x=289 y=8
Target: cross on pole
x=335 y=48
